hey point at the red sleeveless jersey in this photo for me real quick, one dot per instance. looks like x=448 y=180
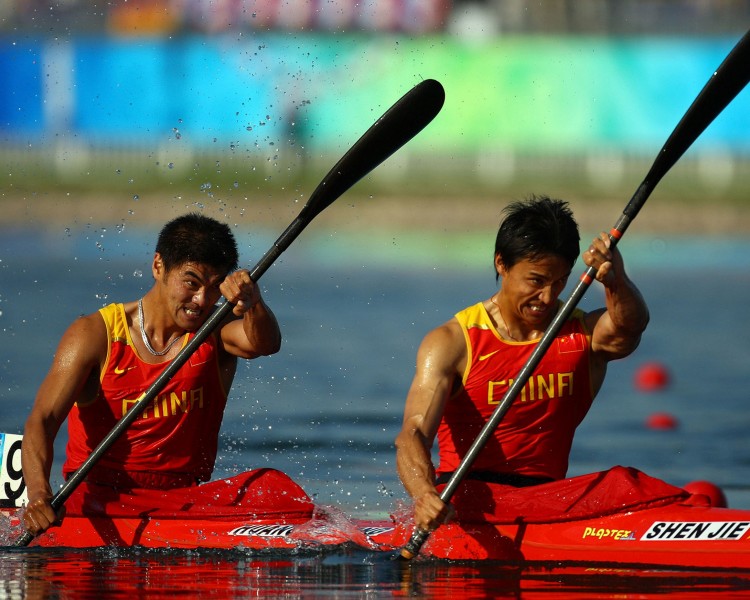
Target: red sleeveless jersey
x=176 y=437
x=535 y=435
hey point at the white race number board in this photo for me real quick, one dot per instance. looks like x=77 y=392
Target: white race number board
x=12 y=486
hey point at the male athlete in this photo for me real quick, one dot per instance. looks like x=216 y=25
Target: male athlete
x=106 y=360
x=465 y=366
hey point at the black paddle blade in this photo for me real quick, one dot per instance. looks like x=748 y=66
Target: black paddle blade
x=400 y=123
x=726 y=82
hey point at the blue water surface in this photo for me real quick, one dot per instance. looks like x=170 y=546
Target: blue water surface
x=353 y=309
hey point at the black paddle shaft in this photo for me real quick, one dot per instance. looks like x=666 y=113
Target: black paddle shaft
x=726 y=82
x=399 y=124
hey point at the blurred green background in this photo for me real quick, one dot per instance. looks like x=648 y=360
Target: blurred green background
x=258 y=99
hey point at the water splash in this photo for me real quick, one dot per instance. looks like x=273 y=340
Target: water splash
x=10 y=527
x=330 y=525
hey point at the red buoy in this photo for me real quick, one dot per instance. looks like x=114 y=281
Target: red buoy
x=662 y=421
x=712 y=491
x=652 y=377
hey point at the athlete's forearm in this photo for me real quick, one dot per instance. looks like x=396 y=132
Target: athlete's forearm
x=414 y=463
x=254 y=334
x=626 y=307
x=37 y=454
x=262 y=329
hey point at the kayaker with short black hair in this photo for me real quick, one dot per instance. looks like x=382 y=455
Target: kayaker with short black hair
x=465 y=366
x=106 y=360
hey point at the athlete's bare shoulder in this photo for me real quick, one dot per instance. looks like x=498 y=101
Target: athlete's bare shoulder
x=86 y=337
x=444 y=346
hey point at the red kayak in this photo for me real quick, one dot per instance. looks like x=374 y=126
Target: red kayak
x=610 y=519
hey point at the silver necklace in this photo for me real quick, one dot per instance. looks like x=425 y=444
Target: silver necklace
x=510 y=335
x=144 y=337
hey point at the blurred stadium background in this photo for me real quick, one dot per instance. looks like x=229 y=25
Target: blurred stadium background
x=223 y=99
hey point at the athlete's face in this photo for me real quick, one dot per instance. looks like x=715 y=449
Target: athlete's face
x=189 y=291
x=531 y=288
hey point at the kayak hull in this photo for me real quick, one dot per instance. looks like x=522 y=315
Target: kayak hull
x=613 y=540
x=684 y=534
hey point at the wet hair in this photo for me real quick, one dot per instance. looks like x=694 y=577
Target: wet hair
x=535 y=227
x=197 y=238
